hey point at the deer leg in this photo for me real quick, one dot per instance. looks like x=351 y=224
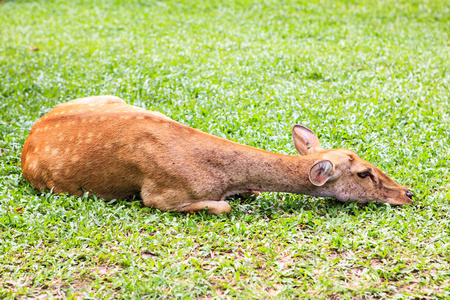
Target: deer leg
x=176 y=200
x=213 y=207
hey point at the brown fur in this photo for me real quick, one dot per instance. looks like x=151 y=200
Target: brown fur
x=115 y=150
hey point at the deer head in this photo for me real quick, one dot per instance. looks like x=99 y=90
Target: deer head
x=342 y=174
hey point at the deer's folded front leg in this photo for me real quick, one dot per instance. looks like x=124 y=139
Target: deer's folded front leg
x=212 y=207
x=178 y=199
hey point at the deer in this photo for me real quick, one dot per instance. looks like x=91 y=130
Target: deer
x=103 y=145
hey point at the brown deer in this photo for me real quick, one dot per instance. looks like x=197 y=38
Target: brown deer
x=115 y=150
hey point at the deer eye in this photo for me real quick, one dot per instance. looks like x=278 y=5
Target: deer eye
x=363 y=174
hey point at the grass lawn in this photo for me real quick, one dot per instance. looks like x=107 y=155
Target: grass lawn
x=370 y=76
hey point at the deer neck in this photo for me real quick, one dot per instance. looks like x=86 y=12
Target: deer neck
x=260 y=170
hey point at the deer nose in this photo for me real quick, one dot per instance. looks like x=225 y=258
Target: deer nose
x=409 y=194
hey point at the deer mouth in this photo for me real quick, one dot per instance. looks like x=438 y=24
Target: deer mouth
x=407 y=198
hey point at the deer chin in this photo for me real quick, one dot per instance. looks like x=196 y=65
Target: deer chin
x=397 y=201
x=390 y=200
x=346 y=197
x=366 y=201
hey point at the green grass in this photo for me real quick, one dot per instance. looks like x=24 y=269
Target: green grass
x=369 y=76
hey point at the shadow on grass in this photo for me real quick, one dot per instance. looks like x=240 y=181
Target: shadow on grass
x=277 y=204
x=268 y=205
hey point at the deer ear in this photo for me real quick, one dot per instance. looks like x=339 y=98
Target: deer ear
x=305 y=140
x=321 y=172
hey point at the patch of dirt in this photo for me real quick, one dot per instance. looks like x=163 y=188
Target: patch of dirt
x=274 y=290
x=147 y=254
x=286 y=260
x=80 y=286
